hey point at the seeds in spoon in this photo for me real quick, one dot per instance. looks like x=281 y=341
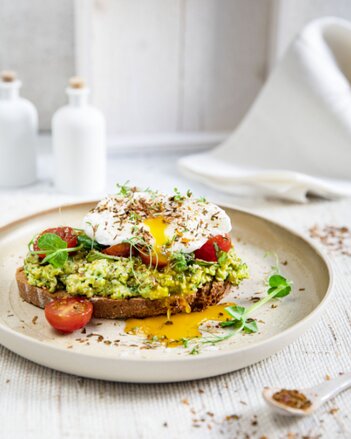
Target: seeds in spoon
x=292 y=398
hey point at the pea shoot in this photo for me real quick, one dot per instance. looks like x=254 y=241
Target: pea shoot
x=279 y=287
x=240 y=321
x=55 y=249
x=124 y=189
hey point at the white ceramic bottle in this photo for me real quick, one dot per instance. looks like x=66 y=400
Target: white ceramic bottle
x=79 y=144
x=18 y=134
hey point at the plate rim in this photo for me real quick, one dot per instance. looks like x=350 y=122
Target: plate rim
x=206 y=355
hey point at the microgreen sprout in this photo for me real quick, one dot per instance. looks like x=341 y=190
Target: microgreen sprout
x=54 y=248
x=124 y=189
x=185 y=342
x=177 y=195
x=278 y=287
x=276 y=267
x=134 y=216
x=195 y=350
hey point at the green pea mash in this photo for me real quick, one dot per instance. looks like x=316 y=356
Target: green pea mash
x=93 y=274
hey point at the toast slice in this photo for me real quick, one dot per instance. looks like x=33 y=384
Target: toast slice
x=134 y=307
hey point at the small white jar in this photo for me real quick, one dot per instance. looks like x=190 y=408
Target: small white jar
x=79 y=144
x=18 y=134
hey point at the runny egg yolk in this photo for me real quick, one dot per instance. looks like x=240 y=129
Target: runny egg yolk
x=157 y=227
x=172 y=331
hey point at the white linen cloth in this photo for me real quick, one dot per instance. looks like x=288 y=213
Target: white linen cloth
x=296 y=138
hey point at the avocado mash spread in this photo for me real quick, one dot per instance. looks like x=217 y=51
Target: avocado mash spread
x=90 y=273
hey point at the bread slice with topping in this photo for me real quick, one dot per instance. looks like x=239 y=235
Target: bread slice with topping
x=134 y=307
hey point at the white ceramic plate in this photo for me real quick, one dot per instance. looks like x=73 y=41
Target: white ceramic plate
x=24 y=330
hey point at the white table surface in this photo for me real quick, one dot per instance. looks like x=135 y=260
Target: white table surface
x=37 y=402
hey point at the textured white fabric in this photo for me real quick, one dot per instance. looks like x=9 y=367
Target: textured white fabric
x=296 y=139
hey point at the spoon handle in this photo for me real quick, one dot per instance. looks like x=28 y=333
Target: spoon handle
x=331 y=388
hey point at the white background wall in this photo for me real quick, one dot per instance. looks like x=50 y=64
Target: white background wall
x=156 y=67
x=37 y=40
x=177 y=65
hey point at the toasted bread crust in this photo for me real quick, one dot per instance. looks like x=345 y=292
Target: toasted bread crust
x=135 y=307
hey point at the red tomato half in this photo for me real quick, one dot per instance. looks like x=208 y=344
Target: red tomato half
x=65 y=233
x=68 y=315
x=122 y=249
x=160 y=260
x=208 y=251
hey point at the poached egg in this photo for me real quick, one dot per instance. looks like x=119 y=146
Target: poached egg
x=165 y=223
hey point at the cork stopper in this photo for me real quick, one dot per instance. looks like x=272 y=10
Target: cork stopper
x=8 y=76
x=76 y=82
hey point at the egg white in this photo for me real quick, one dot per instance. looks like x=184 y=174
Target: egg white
x=190 y=223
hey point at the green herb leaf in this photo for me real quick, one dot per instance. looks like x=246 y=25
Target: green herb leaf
x=203 y=263
x=180 y=261
x=250 y=326
x=124 y=189
x=88 y=243
x=235 y=311
x=55 y=249
x=51 y=242
x=276 y=280
x=185 y=342
x=53 y=245
x=222 y=257
x=279 y=292
x=195 y=350
x=279 y=287
x=95 y=255
x=178 y=196
x=56 y=259
x=233 y=322
x=217 y=250
x=133 y=216
x=239 y=319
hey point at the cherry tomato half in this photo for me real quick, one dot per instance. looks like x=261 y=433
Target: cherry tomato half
x=122 y=249
x=208 y=251
x=68 y=315
x=157 y=260
x=65 y=233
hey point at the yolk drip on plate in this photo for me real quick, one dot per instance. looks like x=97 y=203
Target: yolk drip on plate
x=181 y=326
